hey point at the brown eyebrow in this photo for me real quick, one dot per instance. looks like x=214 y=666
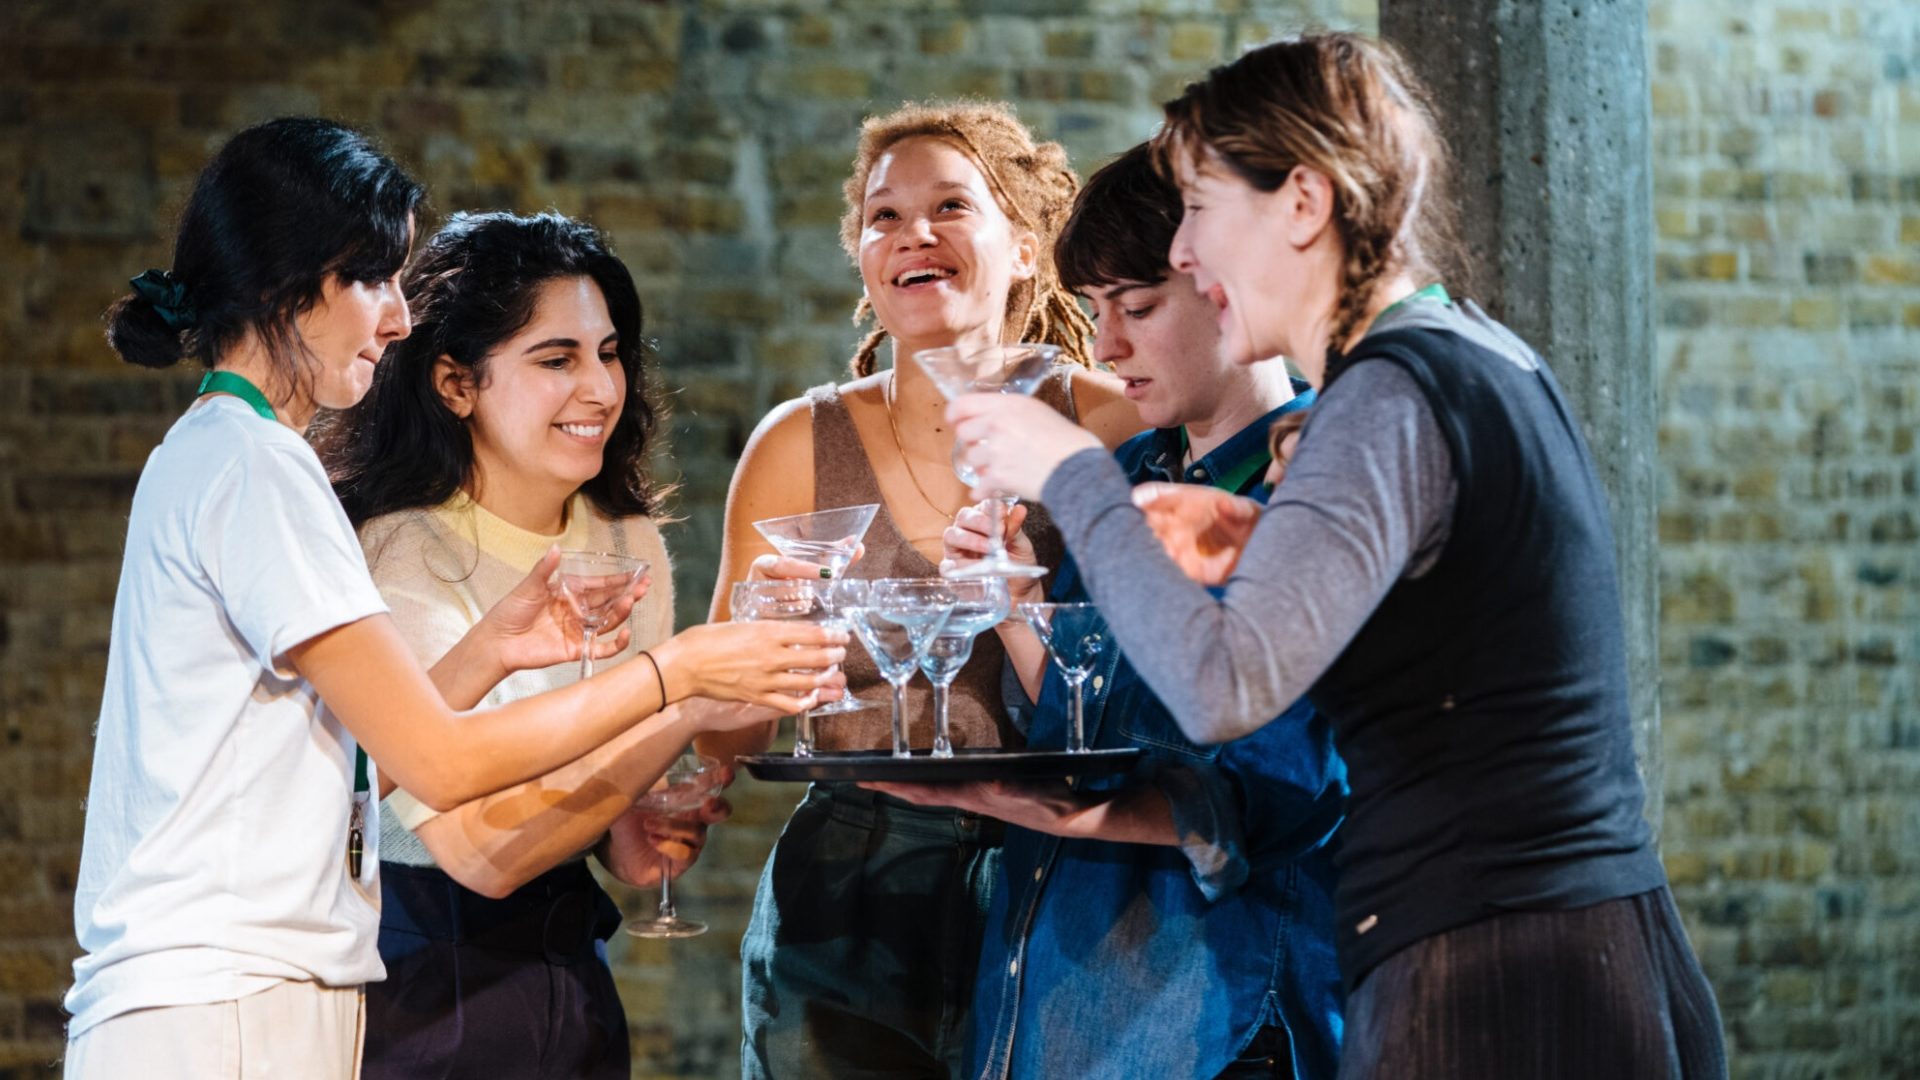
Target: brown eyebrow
x=1119 y=291
x=944 y=185
x=565 y=343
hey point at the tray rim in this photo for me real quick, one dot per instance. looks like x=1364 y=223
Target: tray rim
x=1107 y=761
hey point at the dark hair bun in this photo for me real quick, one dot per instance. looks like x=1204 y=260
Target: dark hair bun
x=138 y=333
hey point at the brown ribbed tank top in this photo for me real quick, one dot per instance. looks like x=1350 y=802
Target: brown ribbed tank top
x=843 y=476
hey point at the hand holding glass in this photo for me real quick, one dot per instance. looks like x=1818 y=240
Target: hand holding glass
x=830 y=538
x=683 y=790
x=593 y=583
x=795 y=599
x=1005 y=369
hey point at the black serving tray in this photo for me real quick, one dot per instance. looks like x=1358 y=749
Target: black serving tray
x=923 y=768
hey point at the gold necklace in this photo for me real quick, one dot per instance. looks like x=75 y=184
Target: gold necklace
x=886 y=397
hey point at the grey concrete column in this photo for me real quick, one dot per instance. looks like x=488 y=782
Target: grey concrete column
x=1545 y=106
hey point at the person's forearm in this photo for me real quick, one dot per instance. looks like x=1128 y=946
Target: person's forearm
x=1027 y=655
x=469 y=671
x=501 y=841
x=1215 y=670
x=1136 y=815
x=728 y=745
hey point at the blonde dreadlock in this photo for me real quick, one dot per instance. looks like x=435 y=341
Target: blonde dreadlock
x=1034 y=186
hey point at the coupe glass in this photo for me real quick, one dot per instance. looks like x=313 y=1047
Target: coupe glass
x=790 y=599
x=592 y=583
x=979 y=604
x=1075 y=635
x=1003 y=369
x=896 y=622
x=680 y=792
x=828 y=537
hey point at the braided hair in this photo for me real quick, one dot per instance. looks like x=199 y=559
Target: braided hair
x=1032 y=182
x=1352 y=109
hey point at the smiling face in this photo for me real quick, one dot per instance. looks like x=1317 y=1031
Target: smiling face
x=937 y=253
x=1260 y=257
x=346 y=332
x=1164 y=341
x=549 y=398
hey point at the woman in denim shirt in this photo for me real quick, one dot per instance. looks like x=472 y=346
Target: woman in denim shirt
x=1177 y=923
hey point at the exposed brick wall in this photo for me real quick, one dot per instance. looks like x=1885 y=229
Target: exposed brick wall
x=1787 y=173
x=710 y=138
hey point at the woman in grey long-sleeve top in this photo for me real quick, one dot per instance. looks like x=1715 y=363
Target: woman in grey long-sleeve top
x=1436 y=574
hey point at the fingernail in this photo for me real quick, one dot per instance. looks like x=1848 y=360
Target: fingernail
x=826 y=572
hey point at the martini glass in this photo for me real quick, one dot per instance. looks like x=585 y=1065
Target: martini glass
x=1075 y=635
x=786 y=598
x=896 y=622
x=593 y=583
x=1003 y=369
x=680 y=792
x=828 y=537
x=979 y=604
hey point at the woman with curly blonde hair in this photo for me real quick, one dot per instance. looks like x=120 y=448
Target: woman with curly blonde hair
x=860 y=954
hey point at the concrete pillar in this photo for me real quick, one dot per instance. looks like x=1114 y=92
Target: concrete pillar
x=1545 y=106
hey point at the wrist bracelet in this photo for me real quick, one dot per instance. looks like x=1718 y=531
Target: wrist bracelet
x=661 y=679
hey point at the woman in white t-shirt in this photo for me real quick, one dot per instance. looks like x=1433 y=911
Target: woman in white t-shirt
x=225 y=904
x=514 y=418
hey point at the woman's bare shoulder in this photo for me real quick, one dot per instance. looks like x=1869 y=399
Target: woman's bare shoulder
x=1100 y=400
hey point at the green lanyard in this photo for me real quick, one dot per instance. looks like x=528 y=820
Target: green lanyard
x=1234 y=479
x=1435 y=292
x=226 y=382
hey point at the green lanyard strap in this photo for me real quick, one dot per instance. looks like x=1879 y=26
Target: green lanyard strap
x=226 y=382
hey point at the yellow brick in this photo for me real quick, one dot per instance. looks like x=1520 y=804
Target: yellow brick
x=1912 y=317
x=1802 y=20
x=829 y=81
x=1669 y=98
x=943 y=40
x=1717 y=265
x=1816 y=313
x=1891 y=270
x=1910 y=229
x=1675 y=223
x=1196 y=41
x=811 y=32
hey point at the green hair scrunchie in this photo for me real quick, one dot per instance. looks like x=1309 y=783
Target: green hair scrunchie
x=168 y=295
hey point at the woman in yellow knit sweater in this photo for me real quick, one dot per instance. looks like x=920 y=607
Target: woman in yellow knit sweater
x=514 y=420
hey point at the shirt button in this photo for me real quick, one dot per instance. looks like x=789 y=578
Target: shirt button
x=1098 y=682
x=1199 y=473
x=1013 y=967
x=1037 y=871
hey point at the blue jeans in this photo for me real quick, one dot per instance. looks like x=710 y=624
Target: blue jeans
x=859 y=960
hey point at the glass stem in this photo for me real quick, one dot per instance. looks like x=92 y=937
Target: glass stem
x=803 y=734
x=666 y=888
x=942 y=747
x=1076 y=719
x=996 y=540
x=586 y=655
x=900 y=748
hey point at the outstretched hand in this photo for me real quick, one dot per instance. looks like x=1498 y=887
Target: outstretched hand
x=1203 y=529
x=532 y=627
x=636 y=842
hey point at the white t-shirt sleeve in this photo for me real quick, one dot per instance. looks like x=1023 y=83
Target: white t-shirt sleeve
x=277 y=546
